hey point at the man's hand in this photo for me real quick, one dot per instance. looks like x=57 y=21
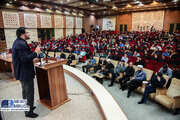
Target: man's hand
x=38 y=50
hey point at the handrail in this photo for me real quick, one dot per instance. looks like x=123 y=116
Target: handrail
x=109 y=108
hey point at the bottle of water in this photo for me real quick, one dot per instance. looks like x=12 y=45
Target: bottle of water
x=58 y=57
x=2 y=54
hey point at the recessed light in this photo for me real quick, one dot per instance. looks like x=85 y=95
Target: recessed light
x=10 y=1
x=7 y=4
x=31 y=3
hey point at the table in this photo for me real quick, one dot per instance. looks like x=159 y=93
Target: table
x=6 y=64
x=99 y=77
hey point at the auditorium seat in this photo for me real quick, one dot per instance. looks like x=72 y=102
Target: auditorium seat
x=151 y=65
x=132 y=59
x=171 y=97
x=159 y=65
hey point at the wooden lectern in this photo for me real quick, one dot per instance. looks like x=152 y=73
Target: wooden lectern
x=51 y=84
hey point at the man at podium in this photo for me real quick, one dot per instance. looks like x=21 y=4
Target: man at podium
x=23 y=65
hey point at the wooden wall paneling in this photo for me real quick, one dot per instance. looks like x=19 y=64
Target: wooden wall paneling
x=171 y=16
x=64 y=28
x=38 y=20
x=21 y=18
x=1 y=20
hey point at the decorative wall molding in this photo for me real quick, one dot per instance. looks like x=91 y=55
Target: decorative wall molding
x=78 y=22
x=10 y=19
x=46 y=21
x=142 y=21
x=30 y=20
x=58 y=21
x=69 y=22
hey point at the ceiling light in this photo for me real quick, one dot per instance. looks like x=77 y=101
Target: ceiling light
x=47 y=9
x=7 y=4
x=15 y=0
x=61 y=2
x=10 y=1
x=114 y=7
x=81 y=3
x=68 y=0
x=31 y=3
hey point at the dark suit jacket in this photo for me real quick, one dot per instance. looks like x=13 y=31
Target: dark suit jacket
x=22 y=58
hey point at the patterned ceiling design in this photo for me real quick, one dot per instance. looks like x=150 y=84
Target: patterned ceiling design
x=99 y=7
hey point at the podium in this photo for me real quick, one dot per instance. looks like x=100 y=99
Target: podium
x=51 y=83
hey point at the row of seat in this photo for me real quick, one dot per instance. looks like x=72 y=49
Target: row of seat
x=170 y=97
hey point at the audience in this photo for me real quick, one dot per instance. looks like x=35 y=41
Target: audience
x=157 y=81
x=129 y=72
x=89 y=65
x=140 y=76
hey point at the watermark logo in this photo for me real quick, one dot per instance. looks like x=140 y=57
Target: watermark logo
x=14 y=105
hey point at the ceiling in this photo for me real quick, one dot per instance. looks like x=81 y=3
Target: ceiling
x=97 y=7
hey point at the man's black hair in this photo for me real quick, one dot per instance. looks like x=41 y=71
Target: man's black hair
x=20 y=30
x=159 y=74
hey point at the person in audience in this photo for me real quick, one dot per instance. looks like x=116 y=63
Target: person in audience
x=157 y=81
x=146 y=56
x=62 y=55
x=89 y=65
x=88 y=53
x=155 y=57
x=109 y=68
x=129 y=72
x=140 y=76
x=102 y=63
x=70 y=58
x=96 y=54
x=76 y=51
x=136 y=54
x=167 y=71
x=116 y=56
x=129 y=53
x=81 y=55
x=174 y=57
x=110 y=56
x=163 y=59
x=120 y=68
x=103 y=54
x=166 y=53
x=139 y=61
x=176 y=72
x=125 y=58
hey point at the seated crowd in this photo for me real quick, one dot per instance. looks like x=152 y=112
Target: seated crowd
x=157 y=51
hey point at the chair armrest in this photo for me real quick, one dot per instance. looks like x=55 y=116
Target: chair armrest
x=74 y=62
x=161 y=91
x=176 y=102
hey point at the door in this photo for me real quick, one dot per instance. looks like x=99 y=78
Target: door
x=177 y=26
x=171 y=28
x=125 y=27
x=121 y=27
